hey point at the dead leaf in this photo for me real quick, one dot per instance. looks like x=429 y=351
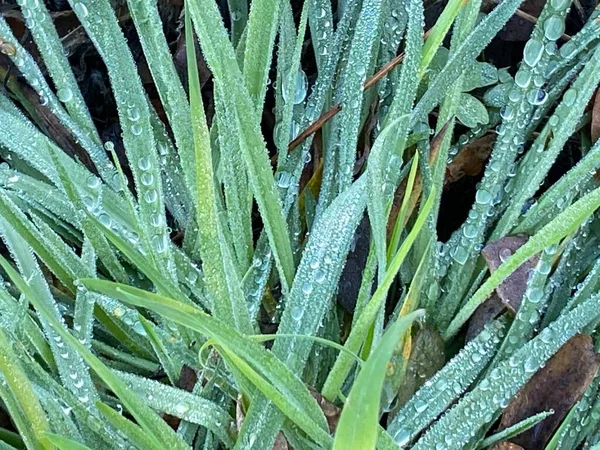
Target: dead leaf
x=512 y=289
x=510 y=292
x=485 y=313
x=595 y=122
x=187 y=380
x=506 y=446
x=351 y=277
x=47 y=121
x=281 y=443
x=557 y=386
x=427 y=357
x=471 y=160
x=331 y=412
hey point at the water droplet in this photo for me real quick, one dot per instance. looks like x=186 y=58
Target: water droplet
x=420 y=406
x=504 y=254
x=483 y=197
x=181 y=409
x=402 y=437
x=321 y=13
x=537 y=96
x=300 y=87
x=319 y=276
x=297 y=313
x=147 y=179
x=470 y=231
x=523 y=78
x=530 y=365
x=284 y=180
x=535 y=295
x=544 y=267
x=568 y=49
x=554 y=27
x=159 y=243
x=460 y=255
x=507 y=112
x=133 y=114
x=138 y=327
x=533 y=52
x=307 y=287
x=65 y=95
x=235 y=15
x=105 y=220
x=150 y=196
x=136 y=129
x=569 y=97
x=80 y=9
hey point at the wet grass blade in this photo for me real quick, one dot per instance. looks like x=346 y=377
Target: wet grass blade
x=357 y=428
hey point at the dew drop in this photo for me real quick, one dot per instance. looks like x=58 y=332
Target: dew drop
x=105 y=220
x=554 y=27
x=569 y=97
x=483 y=197
x=504 y=254
x=460 y=255
x=297 y=313
x=307 y=288
x=80 y=9
x=65 y=95
x=150 y=196
x=147 y=179
x=159 y=243
x=533 y=52
x=420 y=406
x=523 y=78
x=470 y=231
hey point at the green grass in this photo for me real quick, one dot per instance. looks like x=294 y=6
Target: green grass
x=104 y=317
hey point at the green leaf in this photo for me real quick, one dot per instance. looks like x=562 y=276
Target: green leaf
x=357 y=428
x=471 y=112
x=129 y=429
x=221 y=58
x=34 y=425
x=64 y=443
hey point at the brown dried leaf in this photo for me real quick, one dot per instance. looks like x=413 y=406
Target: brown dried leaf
x=506 y=446
x=351 y=277
x=470 y=160
x=331 y=412
x=558 y=386
x=47 y=121
x=595 y=122
x=486 y=312
x=427 y=357
x=187 y=380
x=281 y=443
x=511 y=291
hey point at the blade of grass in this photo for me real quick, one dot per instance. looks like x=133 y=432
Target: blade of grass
x=357 y=428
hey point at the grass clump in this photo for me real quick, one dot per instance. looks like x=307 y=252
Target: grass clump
x=261 y=257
